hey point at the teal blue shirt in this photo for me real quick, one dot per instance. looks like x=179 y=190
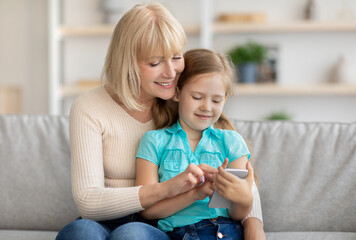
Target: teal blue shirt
x=169 y=149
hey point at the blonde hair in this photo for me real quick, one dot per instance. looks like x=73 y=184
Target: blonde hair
x=201 y=61
x=144 y=30
x=197 y=62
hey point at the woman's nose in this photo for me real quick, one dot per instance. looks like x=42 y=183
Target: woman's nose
x=169 y=71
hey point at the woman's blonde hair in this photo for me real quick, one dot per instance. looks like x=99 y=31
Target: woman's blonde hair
x=144 y=30
x=197 y=62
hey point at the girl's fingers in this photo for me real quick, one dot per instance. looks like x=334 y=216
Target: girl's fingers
x=195 y=171
x=221 y=178
x=225 y=163
x=250 y=175
x=209 y=176
x=208 y=171
x=226 y=175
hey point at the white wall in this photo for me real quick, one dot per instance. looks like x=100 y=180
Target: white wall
x=303 y=58
x=23 y=51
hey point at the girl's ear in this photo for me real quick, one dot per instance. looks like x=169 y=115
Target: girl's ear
x=176 y=95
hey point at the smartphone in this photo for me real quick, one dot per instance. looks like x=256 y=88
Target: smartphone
x=216 y=200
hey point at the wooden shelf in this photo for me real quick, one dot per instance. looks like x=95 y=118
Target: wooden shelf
x=85 y=31
x=104 y=30
x=295 y=90
x=302 y=26
x=75 y=90
x=253 y=90
x=226 y=27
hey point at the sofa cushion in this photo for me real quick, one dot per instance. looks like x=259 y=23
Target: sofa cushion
x=307 y=174
x=35 y=173
x=310 y=235
x=27 y=235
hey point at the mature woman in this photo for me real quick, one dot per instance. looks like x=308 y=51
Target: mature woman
x=143 y=63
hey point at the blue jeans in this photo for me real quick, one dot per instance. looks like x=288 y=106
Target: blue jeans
x=208 y=229
x=131 y=227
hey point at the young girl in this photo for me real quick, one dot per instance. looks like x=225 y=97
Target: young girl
x=201 y=93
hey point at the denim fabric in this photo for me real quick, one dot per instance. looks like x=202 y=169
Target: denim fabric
x=208 y=229
x=132 y=227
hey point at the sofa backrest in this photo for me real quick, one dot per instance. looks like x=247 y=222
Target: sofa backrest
x=306 y=170
x=35 y=173
x=307 y=174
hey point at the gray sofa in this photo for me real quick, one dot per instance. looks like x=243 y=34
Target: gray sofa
x=307 y=175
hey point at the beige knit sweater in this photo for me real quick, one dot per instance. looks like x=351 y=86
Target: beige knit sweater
x=104 y=140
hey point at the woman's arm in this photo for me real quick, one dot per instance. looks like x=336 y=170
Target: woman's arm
x=170 y=206
x=178 y=193
x=253 y=223
x=253 y=229
x=237 y=190
x=93 y=199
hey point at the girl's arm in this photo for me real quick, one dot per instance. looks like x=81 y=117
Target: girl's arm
x=237 y=190
x=177 y=189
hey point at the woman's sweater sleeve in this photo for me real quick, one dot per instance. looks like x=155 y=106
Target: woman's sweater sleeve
x=256 y=210
x=94 y=200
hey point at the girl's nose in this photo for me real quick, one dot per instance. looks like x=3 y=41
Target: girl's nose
x=169 y=70
x=206 y=106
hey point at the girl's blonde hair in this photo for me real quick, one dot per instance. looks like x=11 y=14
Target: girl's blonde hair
x=200 y=61
x=197 y=62
x=144 y=30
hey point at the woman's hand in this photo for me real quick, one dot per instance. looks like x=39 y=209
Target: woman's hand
x=192 y=177
x=163 y=199
x=185 y=181
x=204 y=190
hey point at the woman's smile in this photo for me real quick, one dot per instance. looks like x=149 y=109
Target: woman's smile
x=165 y=85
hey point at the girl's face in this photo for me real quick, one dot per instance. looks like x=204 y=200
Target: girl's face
x=159 y=76
x=201 y=101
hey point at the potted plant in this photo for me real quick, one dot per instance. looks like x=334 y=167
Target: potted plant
x=247 y=58
x=281 y=116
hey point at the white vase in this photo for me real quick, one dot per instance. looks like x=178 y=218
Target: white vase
x=346 y=70
x=312 y=11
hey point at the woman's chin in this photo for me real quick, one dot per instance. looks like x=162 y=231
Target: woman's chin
x=166 y=96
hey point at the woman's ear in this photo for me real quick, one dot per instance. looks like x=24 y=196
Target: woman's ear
x=176 y=95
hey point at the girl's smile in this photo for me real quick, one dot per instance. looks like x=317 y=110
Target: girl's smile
x=203 y=117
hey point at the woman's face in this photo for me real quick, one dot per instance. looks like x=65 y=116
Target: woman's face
x=159 y=76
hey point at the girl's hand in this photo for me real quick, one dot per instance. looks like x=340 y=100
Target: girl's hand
x=233 y=188
x=209 y=171
x=206 y=189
